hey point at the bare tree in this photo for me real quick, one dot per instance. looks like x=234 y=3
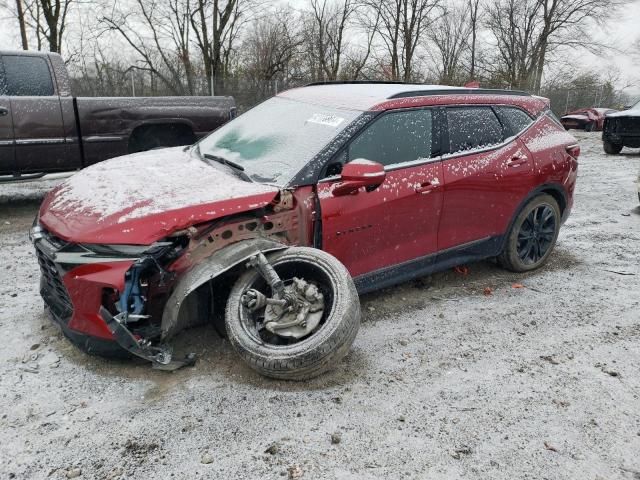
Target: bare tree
x=527 y=32
x=270 y=48
x=55 y=17
x=474 y=18
x=403 y=25
x=449 y=36
x=22 y=24
x=34 y=21
x=215 y=24
x=357 y=58
x=326 y=35
x=159 y=32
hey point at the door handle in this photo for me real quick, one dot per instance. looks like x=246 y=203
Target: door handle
x=427 y=187
x=3 y=111
x=516 y=161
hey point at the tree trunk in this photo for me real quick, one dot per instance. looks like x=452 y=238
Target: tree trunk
x=23 y=28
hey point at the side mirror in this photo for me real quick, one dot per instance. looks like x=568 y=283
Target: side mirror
x=357 y=174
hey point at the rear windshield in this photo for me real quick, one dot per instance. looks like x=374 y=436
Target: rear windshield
x=276 y=139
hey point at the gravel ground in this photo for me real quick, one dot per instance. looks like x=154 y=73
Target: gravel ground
x=443 y=381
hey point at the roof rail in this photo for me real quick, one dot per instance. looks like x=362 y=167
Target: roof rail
x=460 y=91
x=355 y=82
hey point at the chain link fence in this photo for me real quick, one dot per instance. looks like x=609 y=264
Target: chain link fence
x=247 y=91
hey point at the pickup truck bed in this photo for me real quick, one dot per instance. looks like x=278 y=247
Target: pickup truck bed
x=44 y=129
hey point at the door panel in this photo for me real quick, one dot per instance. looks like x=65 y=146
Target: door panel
x=7 y=149
x=38 y=126
x=39 y=134
x=481 y=192
x=482 y=188
x=395 y=223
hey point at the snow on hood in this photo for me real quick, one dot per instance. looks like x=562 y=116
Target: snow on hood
x=143 y=197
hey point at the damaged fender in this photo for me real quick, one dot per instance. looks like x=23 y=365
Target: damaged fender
x=210 y=268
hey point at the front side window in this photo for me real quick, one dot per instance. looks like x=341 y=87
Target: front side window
x=473 y=128
x=396 y=137
x=27 y=76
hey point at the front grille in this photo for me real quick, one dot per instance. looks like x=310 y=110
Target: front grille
x=623 y=125
x=52 y=289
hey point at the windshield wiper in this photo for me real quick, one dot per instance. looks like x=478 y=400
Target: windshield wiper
x=224 y=161
x=236 y=167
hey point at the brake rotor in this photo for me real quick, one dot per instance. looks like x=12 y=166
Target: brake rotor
x=298 y=313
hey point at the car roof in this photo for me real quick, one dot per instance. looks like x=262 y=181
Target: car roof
x=368 y=95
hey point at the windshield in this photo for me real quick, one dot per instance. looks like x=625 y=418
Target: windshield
x=276 y=139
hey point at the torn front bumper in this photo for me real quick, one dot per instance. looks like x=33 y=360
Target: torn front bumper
x=96 y=296
x=73 y=294
x=77 y=282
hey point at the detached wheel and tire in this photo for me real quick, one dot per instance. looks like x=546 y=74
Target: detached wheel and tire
x=611 y=148
x=304 y=342
x=532 y=236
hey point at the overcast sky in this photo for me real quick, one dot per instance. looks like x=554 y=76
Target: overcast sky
x=622 y=30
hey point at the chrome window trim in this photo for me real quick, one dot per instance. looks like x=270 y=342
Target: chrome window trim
x=40 y=141
x=106 y=138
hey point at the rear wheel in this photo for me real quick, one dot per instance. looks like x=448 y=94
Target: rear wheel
x=532 y=236
x=306 y=330
x=588 y=127
x=612 y=148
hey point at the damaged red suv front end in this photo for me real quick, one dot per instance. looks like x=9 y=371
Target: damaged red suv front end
x=124 y=251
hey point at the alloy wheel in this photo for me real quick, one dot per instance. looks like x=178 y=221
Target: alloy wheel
x=536 y=234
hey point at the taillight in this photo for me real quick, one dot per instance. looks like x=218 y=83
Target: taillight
x=574 y=151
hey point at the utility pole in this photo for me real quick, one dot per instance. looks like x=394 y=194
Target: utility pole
x=214 y=44
x=133 y=84
x=23 y=28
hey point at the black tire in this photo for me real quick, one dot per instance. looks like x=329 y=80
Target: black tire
x=588 y=127
x=611 y=148
x=324 y=347
x=532 y=236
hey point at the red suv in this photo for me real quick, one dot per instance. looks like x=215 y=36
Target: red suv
x=275 y=222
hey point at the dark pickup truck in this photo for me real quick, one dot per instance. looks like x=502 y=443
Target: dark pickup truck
x=44 y=129
x=622 y=129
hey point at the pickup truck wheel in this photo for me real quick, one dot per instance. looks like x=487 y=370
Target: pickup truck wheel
x=261 y=333
x=611 y=148
x=588 y=127
x=532 y=236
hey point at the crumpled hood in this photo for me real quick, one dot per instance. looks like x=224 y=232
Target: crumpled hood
x=141 y=198
x=576 y=117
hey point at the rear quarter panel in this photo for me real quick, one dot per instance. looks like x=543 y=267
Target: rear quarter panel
x=553 y=166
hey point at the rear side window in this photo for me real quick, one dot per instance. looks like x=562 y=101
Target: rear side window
x=473 y=128
x=396 y=137
x=516 y=118
x=553 y=117
x=27 y=76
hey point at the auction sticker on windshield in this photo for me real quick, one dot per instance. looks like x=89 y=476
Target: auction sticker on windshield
x=323 y=119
